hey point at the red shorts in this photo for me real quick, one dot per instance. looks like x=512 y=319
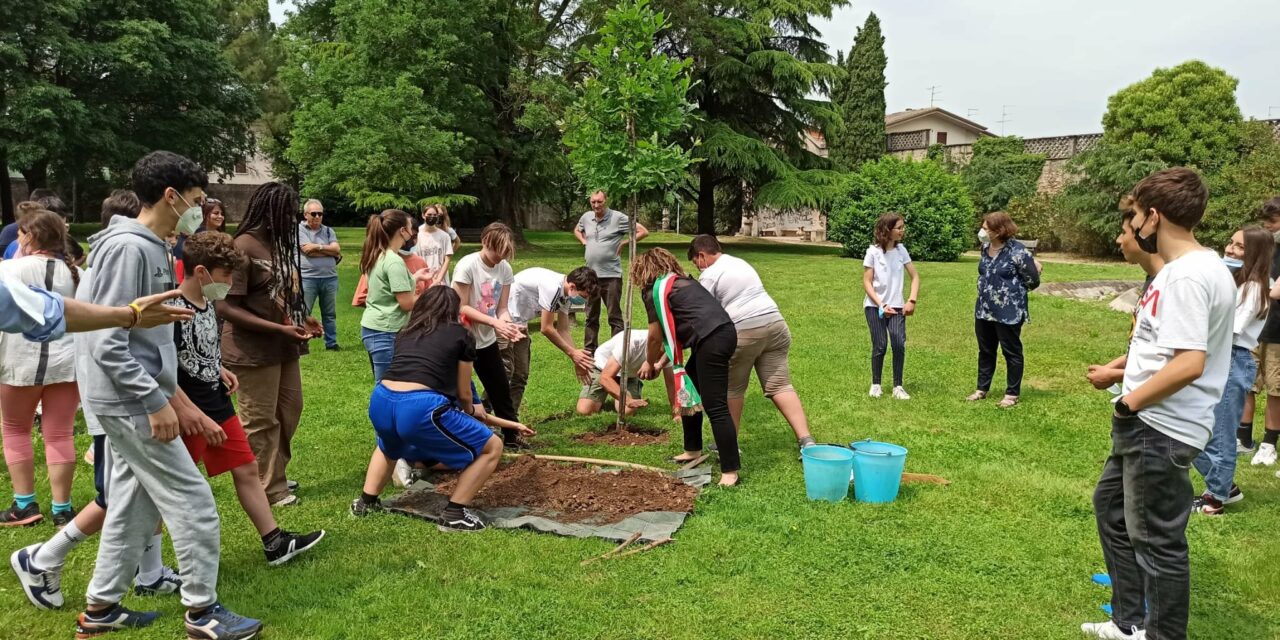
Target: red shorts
x=226 y=456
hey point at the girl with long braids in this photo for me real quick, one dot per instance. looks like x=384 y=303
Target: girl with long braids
x=266 y=332
x=684 y=314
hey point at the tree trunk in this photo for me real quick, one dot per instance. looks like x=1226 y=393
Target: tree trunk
x=37 y=176
x=6 y=190
x=706 y=200
x=506 y=199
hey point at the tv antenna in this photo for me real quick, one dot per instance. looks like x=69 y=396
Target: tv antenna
x=1004 y=116
x=934 y=93
x=970 y=113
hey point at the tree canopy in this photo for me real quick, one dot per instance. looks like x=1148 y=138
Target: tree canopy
x=859 y=99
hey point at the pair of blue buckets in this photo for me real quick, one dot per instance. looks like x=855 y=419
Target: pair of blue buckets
x=875 y=468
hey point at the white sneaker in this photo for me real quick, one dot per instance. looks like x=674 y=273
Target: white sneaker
x=1266 y=455
x=900 y=394
x=1109 y=631
x=287 y=500
x=403 y=475
x=875 y=391
x=1241 y=449
x=42 y=587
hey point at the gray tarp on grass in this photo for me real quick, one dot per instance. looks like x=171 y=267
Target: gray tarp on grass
x=422 y=501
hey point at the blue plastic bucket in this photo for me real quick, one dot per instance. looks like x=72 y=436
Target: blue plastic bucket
x=826 y=472
x=877 y=470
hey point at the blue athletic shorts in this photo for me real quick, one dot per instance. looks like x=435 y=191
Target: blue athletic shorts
x=422 y=426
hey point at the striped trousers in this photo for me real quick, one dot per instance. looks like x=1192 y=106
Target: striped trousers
x=885 y=331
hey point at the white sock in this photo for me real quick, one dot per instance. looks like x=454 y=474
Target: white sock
x=152 y=563
x=54 y=552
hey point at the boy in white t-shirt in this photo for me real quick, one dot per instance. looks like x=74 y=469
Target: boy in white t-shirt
x=434 y=245
x=483 y=282
x=1177 y=368
x=545 y=294
x=606 y=367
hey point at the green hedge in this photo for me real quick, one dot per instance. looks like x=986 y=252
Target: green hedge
x=936 y=205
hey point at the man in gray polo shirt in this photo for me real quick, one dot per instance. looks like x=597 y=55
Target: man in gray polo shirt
x=320 y=255
x=603 y=230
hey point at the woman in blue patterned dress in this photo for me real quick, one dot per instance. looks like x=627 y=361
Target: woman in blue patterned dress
x=1006 y=272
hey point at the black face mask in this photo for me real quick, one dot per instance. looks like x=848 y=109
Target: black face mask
x=433 y=221
x=1148 y=243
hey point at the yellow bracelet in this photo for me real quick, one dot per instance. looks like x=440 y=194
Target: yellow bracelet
x=137 y=314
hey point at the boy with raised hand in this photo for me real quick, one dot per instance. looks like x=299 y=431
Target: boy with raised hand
x=543 y=293
x=1177 y=368
x=128 y=379
x=208 y=260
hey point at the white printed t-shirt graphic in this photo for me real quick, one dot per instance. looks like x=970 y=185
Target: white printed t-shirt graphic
x=486 y=291
x=1189 y=306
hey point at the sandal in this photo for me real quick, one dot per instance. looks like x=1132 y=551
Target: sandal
x=976 y=396
x=1008 y=401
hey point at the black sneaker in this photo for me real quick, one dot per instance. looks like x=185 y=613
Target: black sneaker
x=62 y=519
x=360 y=508
x=117 y=618
x=291 y=485
x=15 y=517
x=289 y=544
x=515 y=443
x=333 y=347
x=1235 y=495
x=467 y=522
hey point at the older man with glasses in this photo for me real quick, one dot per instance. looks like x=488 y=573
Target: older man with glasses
x=320 y=257
x=602 y=231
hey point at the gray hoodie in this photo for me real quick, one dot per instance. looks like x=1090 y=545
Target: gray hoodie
x=126 y=372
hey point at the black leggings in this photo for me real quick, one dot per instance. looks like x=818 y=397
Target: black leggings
x=708 y=367
x=1008 y=337
x=497 y=388
x=894 y=328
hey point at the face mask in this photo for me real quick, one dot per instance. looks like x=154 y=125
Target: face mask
x=433 y=222
x=1148 y=243
x=215 y=291
x=577 y=300
x=984 y=237
x=189 y=220
x=1232 y=263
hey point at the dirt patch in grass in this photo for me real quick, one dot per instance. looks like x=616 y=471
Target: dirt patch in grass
x=629 y=436
x=574 y=493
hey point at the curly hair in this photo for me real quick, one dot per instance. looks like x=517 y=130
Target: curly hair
x=212 y=250
x=272 y=218
x=653 y=264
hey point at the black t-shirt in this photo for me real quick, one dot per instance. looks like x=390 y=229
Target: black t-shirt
x=432 y=358
x=199 y=342
x=1271 y=330
x=697 y=312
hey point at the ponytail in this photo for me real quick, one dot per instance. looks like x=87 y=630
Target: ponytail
x=377 y=236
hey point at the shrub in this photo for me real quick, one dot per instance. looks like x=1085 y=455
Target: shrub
x=1000 y=171
x=1044 y=217
x=935 y=204
x=1241 y=187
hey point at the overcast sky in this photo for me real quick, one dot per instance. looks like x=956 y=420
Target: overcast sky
x=1055 y=64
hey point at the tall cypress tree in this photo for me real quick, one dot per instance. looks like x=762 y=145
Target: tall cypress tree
x=859 y=99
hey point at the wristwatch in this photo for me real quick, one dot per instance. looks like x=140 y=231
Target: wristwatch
x=1123 y=410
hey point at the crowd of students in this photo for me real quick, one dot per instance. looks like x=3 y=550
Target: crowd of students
x=157 y=398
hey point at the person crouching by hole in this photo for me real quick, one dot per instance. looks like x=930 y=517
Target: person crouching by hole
x=422 y=410
x=683 y=314
x=605 y=375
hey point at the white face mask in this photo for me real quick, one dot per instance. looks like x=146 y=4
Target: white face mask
x=984 y=237
x=190 y=219
x=215 y=291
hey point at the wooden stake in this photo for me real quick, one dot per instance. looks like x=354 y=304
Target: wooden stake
x=594 y=461
x=635 y=536
x=695 y=462
x=655 y=543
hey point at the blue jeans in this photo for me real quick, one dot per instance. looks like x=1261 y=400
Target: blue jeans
x=1218 y=462
x=380 y=345
x=326 y=289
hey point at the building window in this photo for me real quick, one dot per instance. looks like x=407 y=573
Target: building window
x=942 y=137
x=242 y=166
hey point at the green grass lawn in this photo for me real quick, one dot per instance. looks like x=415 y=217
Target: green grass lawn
x=1005 y=551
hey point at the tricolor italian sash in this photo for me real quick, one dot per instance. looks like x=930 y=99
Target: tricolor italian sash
x=687 y=398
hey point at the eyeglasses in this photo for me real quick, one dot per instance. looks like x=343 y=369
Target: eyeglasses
x=315 y=213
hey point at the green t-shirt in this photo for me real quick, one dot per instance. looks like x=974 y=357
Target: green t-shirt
x=388 y=277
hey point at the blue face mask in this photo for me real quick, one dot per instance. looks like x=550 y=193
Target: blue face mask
x=577 y=300
x=1232 y=263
